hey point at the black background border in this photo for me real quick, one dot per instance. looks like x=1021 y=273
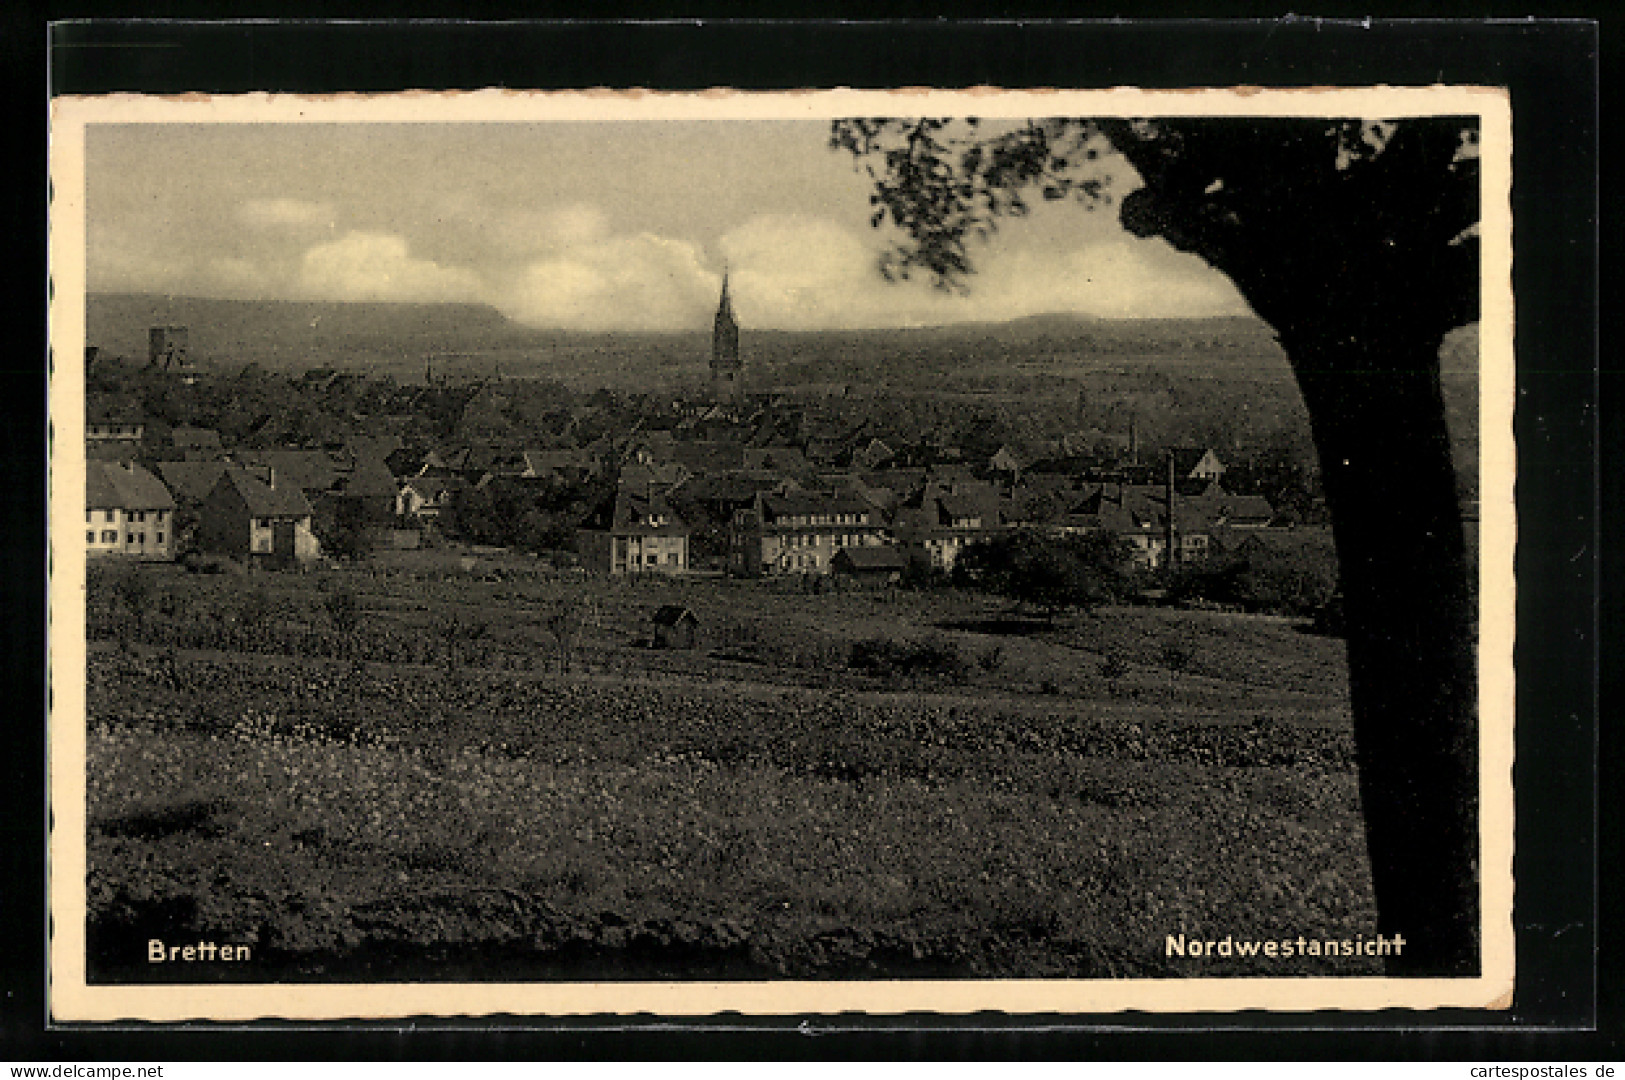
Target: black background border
x=1552 y=69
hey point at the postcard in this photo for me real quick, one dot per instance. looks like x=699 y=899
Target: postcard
x=576 y=553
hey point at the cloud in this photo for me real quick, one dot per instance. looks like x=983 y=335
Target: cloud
x=795 y=272
x=791 y=272
x=286 y=213
x=565 y=228
x=470 y=226
x=637 y=281
x=123 y=260
x=1123 y=279
x=234 y=275
x=365 y=266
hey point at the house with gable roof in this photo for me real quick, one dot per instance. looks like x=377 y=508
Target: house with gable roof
x=427 y=498
x=195 y=443
x=1196 y=463
x=800 y=532
x=870 y=566
x=634 y=532
x=248 y=517
x=937 y=526
x=1007 y=462
x=128 y=512
x=1138 y=515
x=312 y=472
x=113 y=422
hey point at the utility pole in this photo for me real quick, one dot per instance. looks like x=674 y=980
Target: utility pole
x=1171 y=534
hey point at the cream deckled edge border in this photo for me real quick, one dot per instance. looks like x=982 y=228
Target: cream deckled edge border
x=70 y=999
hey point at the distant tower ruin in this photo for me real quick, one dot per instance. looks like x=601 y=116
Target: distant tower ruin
x=166 y=348
x=727 y=370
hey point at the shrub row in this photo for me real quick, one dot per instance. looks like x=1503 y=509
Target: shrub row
x=927 y=656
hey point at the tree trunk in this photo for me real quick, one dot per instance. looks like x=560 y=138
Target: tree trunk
x=1378 y=416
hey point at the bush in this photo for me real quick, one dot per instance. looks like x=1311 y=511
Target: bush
x=1177 y=655
x=1115 y=666
x=211 y=564
x=1052 y=574
x=918 y=574
x=930 y=656
x=343 y=610
x=1293 y=575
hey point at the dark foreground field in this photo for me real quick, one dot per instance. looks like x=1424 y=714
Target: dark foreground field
x=753 y=809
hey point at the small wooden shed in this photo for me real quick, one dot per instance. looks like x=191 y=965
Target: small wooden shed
x=871 y=566
x=676 y=627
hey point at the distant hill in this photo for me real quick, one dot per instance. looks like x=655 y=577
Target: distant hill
x=291 y=336
x=468 y=339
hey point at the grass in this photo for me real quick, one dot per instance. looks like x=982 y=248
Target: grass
x=668 y=815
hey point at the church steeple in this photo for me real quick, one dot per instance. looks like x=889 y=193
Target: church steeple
x=725 y=309
x=726 y=368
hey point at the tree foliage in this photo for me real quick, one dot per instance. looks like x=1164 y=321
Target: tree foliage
x=1051 y=574
x=565 y=625
x=1264 y=200
x=527 y=514
x=1357 y=241
x=347 y=536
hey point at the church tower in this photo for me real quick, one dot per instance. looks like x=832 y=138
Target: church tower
x=727 y=371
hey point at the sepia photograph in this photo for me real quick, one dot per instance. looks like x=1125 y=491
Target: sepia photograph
x=594 y=552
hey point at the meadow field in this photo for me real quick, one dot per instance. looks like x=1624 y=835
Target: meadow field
x=408 y=784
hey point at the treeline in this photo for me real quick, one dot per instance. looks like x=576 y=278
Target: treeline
x=1293 y=573
x=529 y=515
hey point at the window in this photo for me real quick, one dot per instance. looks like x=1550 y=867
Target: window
x=160 y=538
x=262 y=523
x=90 y=536
x=89 y=514
x=109 y=536
x=160 y=517
x=141 y=538
x=138 y=515
x=110 y=516
x=129 y=538
x=672 y=558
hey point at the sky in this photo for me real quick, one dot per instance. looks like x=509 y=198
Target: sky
x=607 y=226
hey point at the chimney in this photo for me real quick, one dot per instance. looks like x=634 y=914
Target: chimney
x=1170 y=554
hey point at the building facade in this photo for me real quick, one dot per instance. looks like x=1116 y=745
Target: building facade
x=246 y=517
x=937 y=531
x=113 y=427
x=128 y=512
x=800 y=532
x=634 y=534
